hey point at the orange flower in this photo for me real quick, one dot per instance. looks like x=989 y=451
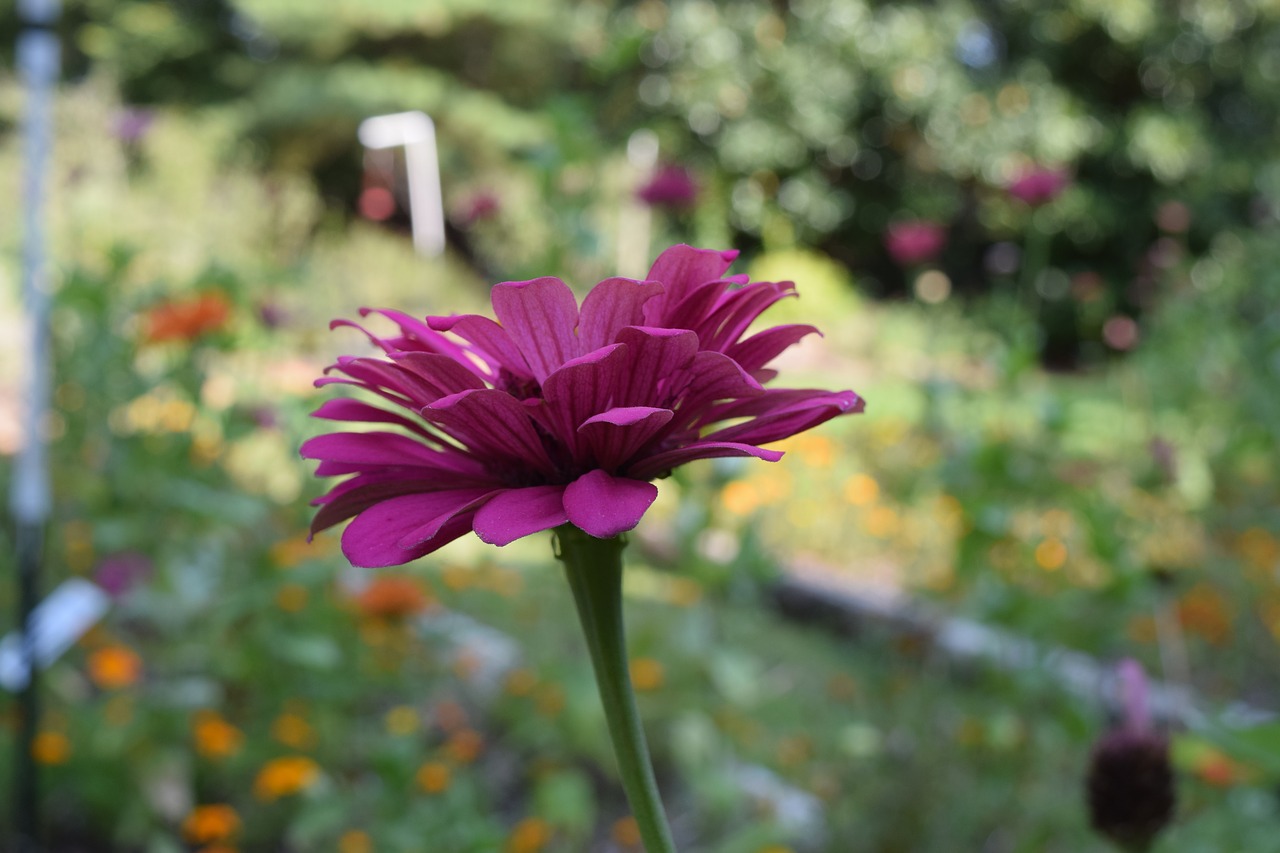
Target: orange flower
x=626 y=833
x=1220 y=770
x=1203 y=610
x=282 y=777
x=434 y=777
x=647 y=674
x=214 y=736
x=51 y=748
x=207 y=824
x=186 y=319
x=113 y=667
x=520 y=682
x=450 y=715
x=529 y=836
x=464 y=746
x=392 y=597
x=294 y=731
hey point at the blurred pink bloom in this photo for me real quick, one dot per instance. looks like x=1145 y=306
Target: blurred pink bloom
x=556 y=413
x=120 y=573
x=671 y=187
x=132 y=123
x=479 y=207
x=915 y=242
x=1039 y=185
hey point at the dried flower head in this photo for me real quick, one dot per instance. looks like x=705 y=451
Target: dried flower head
x=556 y=413
x=1130 y=784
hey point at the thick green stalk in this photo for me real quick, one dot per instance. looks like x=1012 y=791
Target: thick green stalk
x=594 y=569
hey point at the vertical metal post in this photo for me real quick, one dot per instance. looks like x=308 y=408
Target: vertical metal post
x=29 y=496
x=417 y=134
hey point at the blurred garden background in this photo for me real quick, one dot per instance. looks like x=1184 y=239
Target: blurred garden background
x=1041 y=241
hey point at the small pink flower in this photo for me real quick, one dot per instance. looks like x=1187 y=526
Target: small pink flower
x=671 y=187
x=130 y=124
x=557 y=412
x=120 y=573
x=915 y=242
x=1039 y=185
x=478 y=208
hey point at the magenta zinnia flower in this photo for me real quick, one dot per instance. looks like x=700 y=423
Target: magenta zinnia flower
x=671 y=187
x=556 y=413
x=915 y=242
x=1039 y=185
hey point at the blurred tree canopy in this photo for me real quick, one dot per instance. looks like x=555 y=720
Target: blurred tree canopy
x=812 y=122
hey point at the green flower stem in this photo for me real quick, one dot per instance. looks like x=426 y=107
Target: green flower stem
x=594 y=569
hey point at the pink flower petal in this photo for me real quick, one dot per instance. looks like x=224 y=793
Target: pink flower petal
x=737 y=310
x=540 y=317
x=518 y=512
x=493 y=425
x=713 y=377
x=441 y=374
x=761 y=348
x=610 y=306
x=354 y=496
x=604 y=506
x=661 y=464
x=680 y=269
x=372 y=539
x=655 y=356
x=377 y=449
x=614 y=436
x=581 y=388
x=780 y=415
x=489 y=341
x=418 y=335
x=346 y=409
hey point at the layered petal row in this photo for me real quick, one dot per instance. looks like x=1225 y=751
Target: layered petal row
x=555 y=413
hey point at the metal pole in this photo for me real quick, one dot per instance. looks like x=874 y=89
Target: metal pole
x=29 y=496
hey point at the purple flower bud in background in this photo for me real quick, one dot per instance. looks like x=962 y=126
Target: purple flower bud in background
x=915 y=242
x=479 y=207
x=132 y=123
x=671 y=187
x=1039 y=186
x=272 y=315
x=1130 y=782
x=121 y=572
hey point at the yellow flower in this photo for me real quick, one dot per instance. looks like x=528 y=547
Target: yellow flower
x=1051 y=554
x=401 y=720
x=294 y=731
x=214 y=736
x=529 y=836
x=282 y=777
x=51 y=748
x=647 y=674
x=207 y=824
x=355 y=841
x=113 y=667
x=291 y=597
x=861 y=490
x=434 y=777
x=740 y=497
